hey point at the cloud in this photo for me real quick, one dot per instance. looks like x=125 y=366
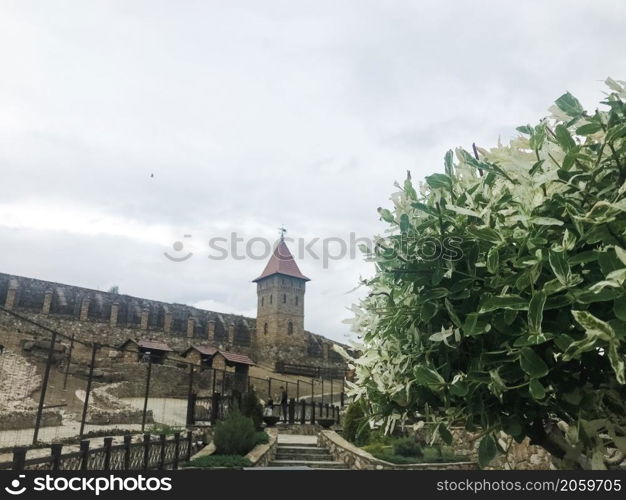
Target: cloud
x=251 y=115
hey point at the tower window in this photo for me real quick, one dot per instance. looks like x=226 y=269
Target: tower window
x=262 y=301
x=270 y=298
x=296 y=300
x=265 y=329
x=284 y=298
x=290 y=328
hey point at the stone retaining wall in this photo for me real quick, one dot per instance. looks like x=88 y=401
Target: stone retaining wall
x=356 y=458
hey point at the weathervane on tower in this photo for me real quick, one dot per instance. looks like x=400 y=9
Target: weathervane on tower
x=282 y=232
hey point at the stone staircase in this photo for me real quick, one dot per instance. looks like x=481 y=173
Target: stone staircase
x=298 y=455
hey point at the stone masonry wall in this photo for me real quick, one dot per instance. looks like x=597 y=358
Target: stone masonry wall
x=108 y=318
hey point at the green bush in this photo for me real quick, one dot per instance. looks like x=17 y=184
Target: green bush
x=378 y=449
x=236 y=435
x=251 y=407
x=261 y=437
x=211 y=461
x=355 y=425
x=499 y=299
x=407 y=447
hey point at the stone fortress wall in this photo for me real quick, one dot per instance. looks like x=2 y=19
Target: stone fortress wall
x=109 y=318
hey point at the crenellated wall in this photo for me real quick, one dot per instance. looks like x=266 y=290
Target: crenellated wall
x=110 y=318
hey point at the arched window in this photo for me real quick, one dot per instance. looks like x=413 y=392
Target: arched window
x=296 y=300
x=284 y=298
x=290 y=328
x=265 y=329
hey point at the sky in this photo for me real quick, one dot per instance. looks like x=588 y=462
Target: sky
x=128 y=126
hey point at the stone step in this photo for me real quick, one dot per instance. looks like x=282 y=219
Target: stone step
x=302 y=449
x=315 y=464
x=299 y=446
x=325 y=457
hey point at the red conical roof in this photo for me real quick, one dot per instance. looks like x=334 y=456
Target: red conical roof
x=282 y=262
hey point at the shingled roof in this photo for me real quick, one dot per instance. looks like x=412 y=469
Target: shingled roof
x=282 y=262
x=240 y=359
x=202 y=349
x=148 y=344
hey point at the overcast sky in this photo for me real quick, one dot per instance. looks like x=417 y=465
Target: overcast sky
x=254 y=114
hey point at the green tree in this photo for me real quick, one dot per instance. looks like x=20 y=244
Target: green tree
x=498 y=301
x=251 y=407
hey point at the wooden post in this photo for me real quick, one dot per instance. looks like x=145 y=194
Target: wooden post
x=94 y=349
x=191 y=399
x=342 y=398
x=84 y=454
x=269 y=387
x=292 y=411
x=331 y=390
x=56 y=450
x=146 y=451
x=191 y=408
x=322 y=390
x=69 y=361
x=312 y=411
x=127 y=440
x=327 y=409
x=44 y=386
x=108 y=441
x=302 y=411
x=147 y=393
x=190 y=441
x=19 y=458
x=215 y=406
x=298 y=389
x=162 y=455
x=176 y=449
x=337 y=416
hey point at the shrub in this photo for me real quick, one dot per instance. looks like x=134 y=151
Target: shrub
x=168 y=430
x=499 y=299
x=251 y=407
x=407 y=447
x=235 y=435
x=261 y=437
x=355 y=424
x=378 y=449
x=211 y=461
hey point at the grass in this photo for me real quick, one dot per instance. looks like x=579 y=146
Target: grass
x=387 y=449
x=221 y=461
x=168 y=430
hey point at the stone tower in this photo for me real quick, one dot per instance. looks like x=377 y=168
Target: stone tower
x=280 y=305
